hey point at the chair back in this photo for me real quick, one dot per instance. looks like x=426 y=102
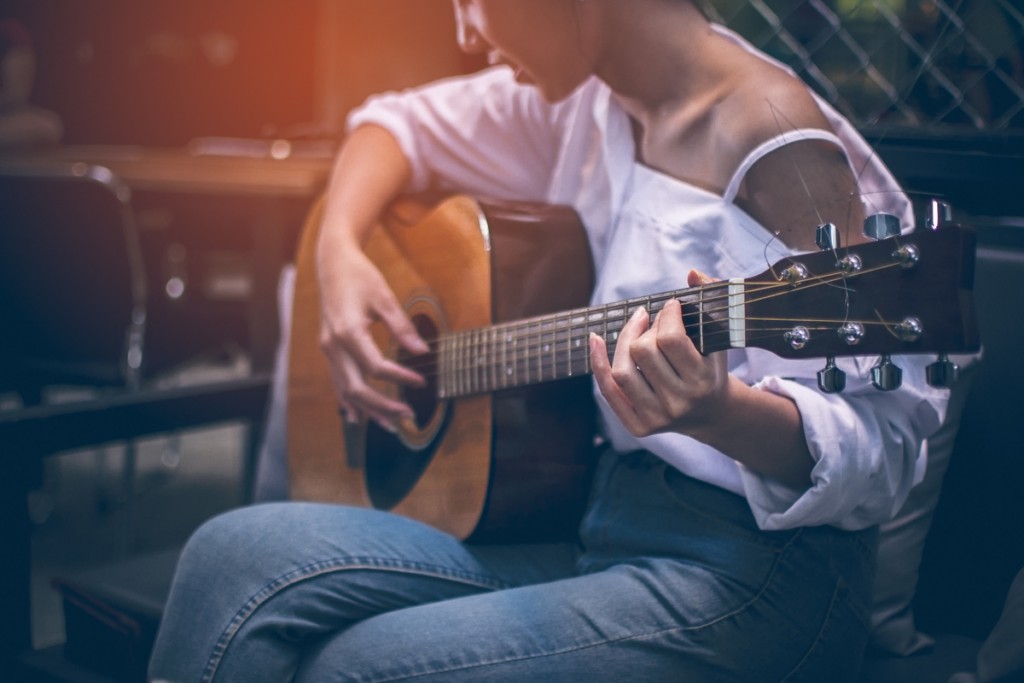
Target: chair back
x=72 y=279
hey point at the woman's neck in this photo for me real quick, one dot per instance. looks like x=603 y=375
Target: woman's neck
x=655 y=55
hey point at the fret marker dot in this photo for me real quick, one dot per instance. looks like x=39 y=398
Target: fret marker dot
x=508 y=371
x=547 y=347
x=577 y=342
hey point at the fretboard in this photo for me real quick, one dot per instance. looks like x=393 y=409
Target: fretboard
x=556 y=346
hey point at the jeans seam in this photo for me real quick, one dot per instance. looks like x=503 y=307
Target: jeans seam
x=639 y=636
x=821 y=631
x=326 y=567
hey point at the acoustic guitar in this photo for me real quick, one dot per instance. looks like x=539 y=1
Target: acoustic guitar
x=500 y=451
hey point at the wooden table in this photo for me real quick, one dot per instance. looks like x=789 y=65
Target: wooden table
x=179 y=171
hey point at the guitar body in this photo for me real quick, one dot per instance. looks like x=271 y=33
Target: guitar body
x=511 y=465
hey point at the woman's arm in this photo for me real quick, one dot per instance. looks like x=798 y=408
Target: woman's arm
x=370 y=172
x=659 y=382
x=481 y=135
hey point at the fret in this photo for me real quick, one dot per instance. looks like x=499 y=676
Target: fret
x=471 y=374
x=554 y=348
x=506 y=369
x=456 y=379
x=520 y=334
x=493 y=358
x=485 y=360
x=604 y=331
x=453 y=379
x=463 y=365
x=528 y=350
x=547 y=340
x=481 y=360
x=474 y=359
x=446 y=365
x=578 y=333
x=456 y=363
x=545 y=343
x=700 y=319
x=568 y=342
x=463 y=378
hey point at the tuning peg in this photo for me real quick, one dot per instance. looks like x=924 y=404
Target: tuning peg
x=831 y=380
x=886 y=376
x=939 y=213
x=880 y=226
x=943 y=373
x=827 y=237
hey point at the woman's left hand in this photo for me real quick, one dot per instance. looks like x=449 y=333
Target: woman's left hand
x=658 y=381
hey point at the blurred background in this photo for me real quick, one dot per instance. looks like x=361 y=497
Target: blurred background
x=217 y=121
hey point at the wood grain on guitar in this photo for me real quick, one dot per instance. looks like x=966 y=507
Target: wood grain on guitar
x=499 y=452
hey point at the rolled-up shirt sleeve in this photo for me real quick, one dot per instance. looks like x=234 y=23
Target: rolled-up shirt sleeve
x=482 y=134
x=868 y=447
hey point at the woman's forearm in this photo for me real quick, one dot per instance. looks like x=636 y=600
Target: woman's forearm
x=763 y=431
x=371 y=170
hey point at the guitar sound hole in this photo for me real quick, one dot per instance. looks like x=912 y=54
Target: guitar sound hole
x=422 y=400
x=395 y=462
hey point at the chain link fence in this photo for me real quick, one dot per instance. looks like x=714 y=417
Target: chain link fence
x=936 y=65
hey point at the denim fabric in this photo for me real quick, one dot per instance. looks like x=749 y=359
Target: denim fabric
x=672 y=580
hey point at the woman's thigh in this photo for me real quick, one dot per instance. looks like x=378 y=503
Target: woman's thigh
x=677 y=583
x=653 y=620
x=255 y=586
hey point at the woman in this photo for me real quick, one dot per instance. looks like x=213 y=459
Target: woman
x=730 y=529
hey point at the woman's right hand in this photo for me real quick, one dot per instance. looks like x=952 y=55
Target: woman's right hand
x=353 y=296
x=370 y=172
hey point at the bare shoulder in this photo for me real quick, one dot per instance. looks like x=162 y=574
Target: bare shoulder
x=803 y=184
x=768 y=102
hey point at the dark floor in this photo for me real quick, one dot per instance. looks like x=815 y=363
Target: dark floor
x=83 y=518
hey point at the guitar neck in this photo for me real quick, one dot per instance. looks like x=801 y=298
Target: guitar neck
x=910 y=294
x=556 y=346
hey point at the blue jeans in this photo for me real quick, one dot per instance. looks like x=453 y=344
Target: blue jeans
x=672 y=580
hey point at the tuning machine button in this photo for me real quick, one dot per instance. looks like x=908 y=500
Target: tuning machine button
x=881 y=226
x=939 y=213
x=851 y=264
x=851 y=333
x=886 y=376
x=831 y=380
x=795 y=274
x=827 y=237
x=907 y=255
x=943 y=373
x=798 y=337
x=910 y=330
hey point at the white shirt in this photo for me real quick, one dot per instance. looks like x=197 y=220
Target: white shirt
x=489 y=136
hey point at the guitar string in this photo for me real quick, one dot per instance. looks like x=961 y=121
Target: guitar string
x=561 y=367
x=546 y=335
x=548 y=323
x=555 y=350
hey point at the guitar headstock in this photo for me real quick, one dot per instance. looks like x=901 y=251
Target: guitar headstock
x=900 y=295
